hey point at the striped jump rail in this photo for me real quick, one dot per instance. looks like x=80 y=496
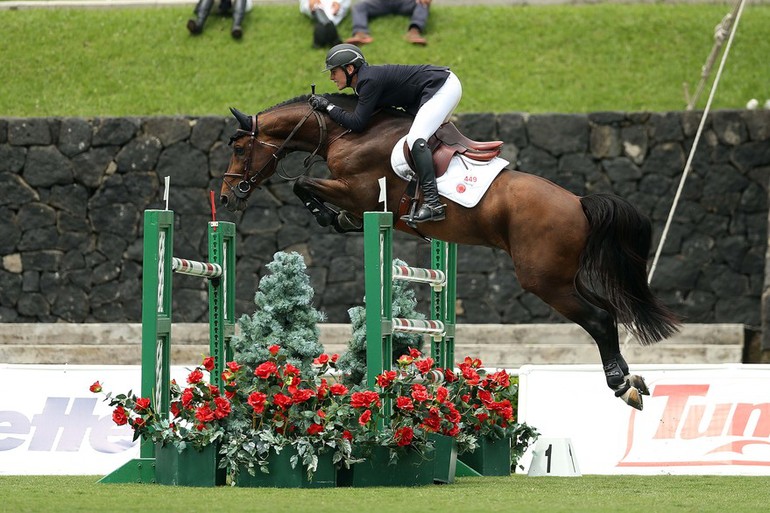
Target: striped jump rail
x=429 y=327
x=195 y=268
x=433 y=277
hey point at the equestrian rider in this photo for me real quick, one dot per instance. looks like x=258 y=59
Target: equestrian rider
x=430 y=93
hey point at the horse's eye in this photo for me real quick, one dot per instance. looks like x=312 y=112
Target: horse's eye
x=238 y=151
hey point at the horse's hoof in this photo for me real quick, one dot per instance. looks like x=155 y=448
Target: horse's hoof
x=638 y=383
x=633 y=398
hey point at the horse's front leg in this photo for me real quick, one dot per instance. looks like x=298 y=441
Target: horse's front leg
x=309 y=191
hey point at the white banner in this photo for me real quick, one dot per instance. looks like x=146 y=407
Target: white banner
x=50 y=423
x=698 y=419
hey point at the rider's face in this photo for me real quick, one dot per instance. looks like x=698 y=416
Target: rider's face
x=337 y=75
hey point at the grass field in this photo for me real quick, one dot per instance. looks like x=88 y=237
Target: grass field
x=558 y=58
x=518 y=493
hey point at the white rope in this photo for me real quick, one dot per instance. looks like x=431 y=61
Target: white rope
x=692 y=150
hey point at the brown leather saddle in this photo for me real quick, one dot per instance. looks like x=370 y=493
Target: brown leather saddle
x=445 y=144
x=448 y=142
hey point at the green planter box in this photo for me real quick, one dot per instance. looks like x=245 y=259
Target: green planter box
x=491 y=458
x=187 y=468
x=412 y=469
x=444 y=458
x=282 y=475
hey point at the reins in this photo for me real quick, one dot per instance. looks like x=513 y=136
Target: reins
x=244 y=186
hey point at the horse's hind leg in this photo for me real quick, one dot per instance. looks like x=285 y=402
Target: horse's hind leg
x=600 y=324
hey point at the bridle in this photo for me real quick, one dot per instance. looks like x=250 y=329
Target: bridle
x=243 y=188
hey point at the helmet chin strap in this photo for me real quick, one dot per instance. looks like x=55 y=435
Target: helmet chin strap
x=349 y=76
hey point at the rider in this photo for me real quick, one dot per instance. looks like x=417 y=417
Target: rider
x=430 y=93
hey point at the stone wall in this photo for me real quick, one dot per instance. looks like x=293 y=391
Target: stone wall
x=73 y=192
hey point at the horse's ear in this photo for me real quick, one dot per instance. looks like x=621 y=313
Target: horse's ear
x=243 y=119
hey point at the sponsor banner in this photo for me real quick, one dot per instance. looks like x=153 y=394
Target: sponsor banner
x=50 y=423
x=698 y=419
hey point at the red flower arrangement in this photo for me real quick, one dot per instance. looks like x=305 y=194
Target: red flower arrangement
x=197 y=411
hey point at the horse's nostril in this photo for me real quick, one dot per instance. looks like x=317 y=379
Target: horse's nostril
x=223 y=200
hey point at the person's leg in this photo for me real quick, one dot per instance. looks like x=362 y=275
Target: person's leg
x=428 y=119
x=362 y=12
x=418 y=20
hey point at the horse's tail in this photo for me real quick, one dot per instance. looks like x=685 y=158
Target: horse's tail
x=614 y=265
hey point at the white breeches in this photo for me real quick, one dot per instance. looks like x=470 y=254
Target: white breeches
x=436 y=111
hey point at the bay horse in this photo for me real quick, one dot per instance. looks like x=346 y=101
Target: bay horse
x=584 y=256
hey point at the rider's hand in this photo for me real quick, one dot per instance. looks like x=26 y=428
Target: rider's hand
x=319 y=102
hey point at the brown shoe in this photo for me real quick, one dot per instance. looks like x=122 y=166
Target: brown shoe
x=360 y=38
x=413 y=36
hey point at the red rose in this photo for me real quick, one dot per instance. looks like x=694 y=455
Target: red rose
x=138 y=423
x=347 y=435
x=290 y=370
x=282 y=401
x=233 y=366
x=257 y=401
x=323 y=389
x=470 y=375
x=502 y=378
x=96 y=387
x=223 y=407
x=386 y=378
x=187 y=397
x=449 y=376
x=321 y=360
x=441 y=394
x=314 y=429
x=208 y=363
x=365 y=417
x=274 y=349
x=214 y=391
x=265 y=370
x=420 y=393
x=404 y=403
x=227 y=376
x=433 y=422
x=142 y=404
x=424 y=365
x=403 y=436
x=204 y=414
x=300 y=396
x=335 y=357
x=176 y=408
x=364 y=399
x=195 y=376
x=119 y=416
x=338 y=389
x=485 y=396
x=414 y=353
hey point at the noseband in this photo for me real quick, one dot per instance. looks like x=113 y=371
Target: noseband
x=243 y=188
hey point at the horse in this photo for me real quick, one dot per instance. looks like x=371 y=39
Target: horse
x=585 y=256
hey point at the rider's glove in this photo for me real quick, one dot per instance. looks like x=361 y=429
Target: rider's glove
x=319 y=102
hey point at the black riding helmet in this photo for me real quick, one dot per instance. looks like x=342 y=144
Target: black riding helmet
x=343 y=54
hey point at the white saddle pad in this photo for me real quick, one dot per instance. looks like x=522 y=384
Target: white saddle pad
x=465 y=181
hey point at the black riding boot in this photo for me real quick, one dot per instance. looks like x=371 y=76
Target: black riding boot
x=324 y=31
x=239 y=11
x=431 y=208
x=202 y=10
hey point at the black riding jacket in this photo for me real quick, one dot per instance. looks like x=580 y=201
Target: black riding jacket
x=390 y=85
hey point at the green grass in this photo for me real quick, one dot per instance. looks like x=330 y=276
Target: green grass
x=586 y=58
x=589 y=494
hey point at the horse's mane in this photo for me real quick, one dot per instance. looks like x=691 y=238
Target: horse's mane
x=345 y=101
